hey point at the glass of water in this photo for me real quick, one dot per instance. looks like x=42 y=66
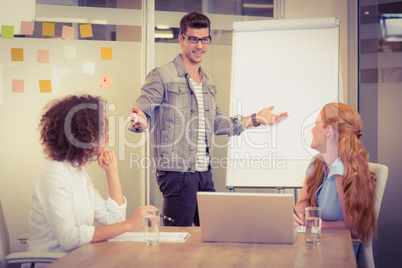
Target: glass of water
x=151 y=226
x=313 y=225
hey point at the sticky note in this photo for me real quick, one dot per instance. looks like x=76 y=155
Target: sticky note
x=7 y=32
x=68 y=32
x=69 y=52
x=86 y=30
x=88 y=67
x=105 y=81
x=17 y=86
x=17 y=54
x=45 y=86
x=43 y=56
x=106 y=53
x=27 y=27
x=48 y=28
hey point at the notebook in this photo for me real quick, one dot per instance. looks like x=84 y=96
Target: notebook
x=246 y=217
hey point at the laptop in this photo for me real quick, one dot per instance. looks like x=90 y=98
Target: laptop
x=246 y=217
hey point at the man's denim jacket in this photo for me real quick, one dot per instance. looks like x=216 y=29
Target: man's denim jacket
x=168 y=100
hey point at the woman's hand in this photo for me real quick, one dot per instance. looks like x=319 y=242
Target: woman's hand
x=107 y=160
x=136 y=221
x=298 y=220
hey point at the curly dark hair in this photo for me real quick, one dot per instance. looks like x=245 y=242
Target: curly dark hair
x=72 y=129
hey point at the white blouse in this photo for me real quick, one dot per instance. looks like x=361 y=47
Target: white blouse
x=64 y=207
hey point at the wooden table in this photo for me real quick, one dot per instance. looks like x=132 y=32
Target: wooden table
x=335 y=250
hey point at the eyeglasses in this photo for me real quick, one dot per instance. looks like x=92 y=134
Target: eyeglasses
x=195 y=40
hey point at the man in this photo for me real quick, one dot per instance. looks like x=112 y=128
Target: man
x=179 y=100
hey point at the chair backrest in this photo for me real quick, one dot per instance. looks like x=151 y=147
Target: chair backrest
x=4 y=238
x=366 y=258
x=381 y=173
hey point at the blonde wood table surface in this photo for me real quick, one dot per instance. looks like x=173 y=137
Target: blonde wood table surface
x=335 y=250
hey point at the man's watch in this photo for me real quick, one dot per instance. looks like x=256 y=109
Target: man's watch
x=254 y=119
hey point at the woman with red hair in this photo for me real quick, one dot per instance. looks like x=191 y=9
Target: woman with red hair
x=339 y=180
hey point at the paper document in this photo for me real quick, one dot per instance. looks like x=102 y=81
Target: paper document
x=163 y=236
x=301 y=229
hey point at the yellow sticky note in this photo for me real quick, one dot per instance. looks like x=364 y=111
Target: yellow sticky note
x=48 y=28
x=17 y=54
x=45 y=86
x=17 y=86
x=68 y=32
x=27 y=27
x=43 y=56
x=106 y=53
x=105 y=81
x=86 y=30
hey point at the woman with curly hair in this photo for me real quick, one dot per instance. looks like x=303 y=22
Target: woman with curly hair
x=65 y=204
x=339 y=180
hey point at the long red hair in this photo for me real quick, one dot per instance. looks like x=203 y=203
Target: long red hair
x=358 y=182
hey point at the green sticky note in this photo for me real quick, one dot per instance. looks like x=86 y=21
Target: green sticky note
x=7 y=32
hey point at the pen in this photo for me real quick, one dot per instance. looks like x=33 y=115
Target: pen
x=166 y=218
x=294 y=210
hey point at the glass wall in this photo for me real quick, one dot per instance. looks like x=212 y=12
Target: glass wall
x=380 y=96
x=74 y=48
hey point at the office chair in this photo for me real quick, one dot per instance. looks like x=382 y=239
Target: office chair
x=20 y=257
x=365 y=258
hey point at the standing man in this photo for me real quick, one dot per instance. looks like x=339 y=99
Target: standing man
x=179 y=101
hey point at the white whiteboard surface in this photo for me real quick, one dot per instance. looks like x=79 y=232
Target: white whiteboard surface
x=294 y=65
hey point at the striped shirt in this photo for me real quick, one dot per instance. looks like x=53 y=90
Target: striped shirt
x=202 y=162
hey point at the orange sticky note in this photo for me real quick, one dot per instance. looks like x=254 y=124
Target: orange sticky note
x=17 y=54
x=45 y=86
x=43 y=56
x=105 y=81
x=106 y=53
x=48 y=28
x=27 y=27
x=86 y=30
x=68 y=32
x=17 y=86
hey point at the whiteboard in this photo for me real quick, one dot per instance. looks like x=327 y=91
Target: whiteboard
x=294 y=65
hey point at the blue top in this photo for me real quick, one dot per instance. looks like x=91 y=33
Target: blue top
x=327 y=194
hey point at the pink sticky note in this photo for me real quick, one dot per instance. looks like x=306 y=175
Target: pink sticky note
x=17 y=86
x=43 y=56
x=105 y=81
x=68 y=32
x=27 y=27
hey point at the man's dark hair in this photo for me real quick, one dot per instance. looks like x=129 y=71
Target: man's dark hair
x=194 y=20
